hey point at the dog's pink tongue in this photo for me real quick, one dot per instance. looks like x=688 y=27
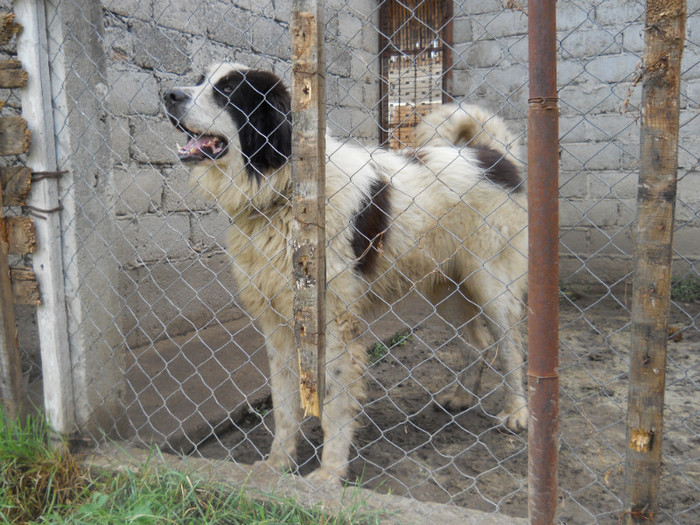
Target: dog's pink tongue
x=193 y=146
x=204 y=145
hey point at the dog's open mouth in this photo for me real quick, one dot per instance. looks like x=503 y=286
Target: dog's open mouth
x=202 y=147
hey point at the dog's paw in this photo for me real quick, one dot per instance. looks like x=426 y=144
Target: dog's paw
x=455 y=401
x=277 y=462
x=515 y=421
x=322 y=477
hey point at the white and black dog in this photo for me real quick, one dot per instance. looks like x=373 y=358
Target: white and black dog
x=447 y=218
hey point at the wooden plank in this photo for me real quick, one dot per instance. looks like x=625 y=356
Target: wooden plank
x=8 y=28
x=11 y=74
x=25 y=287
x=308 y=201
x=14 y=136
x=16 y=183
x=10 y=362
x=651 y=292
x=21 y=235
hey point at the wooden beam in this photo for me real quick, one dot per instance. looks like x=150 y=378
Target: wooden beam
x=664 y=37
x=14 y=136
x=16 y=183
x=21 y=235
x=8 y=28
x=11 y=74
x=25 y=287
x=10 y=362
x=309 y=200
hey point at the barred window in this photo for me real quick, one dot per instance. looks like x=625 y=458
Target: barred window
x=415 y=61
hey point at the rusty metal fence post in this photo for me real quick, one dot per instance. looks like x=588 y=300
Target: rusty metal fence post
x=308 y=200
x=651 y=295
x=543 y=319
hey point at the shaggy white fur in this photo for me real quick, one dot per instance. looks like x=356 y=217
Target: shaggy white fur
x=447 y=219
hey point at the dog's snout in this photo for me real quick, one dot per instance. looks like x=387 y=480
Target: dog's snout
x=176 y=96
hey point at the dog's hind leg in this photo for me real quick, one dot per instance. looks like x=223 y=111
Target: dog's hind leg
x=504 y=317
x=496 y=324
x=344 y=396
x=465 y=392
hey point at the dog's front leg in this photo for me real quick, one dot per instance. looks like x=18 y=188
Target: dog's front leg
x=287 y=411
x=344 y=396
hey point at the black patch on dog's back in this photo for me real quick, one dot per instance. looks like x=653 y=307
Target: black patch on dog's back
x=499 y=169
x=259 y=103
x=370 y=226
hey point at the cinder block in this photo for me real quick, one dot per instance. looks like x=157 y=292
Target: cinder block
x=270 y=38
x=150 y=238
x=210 y=231
x=500 y=24
x=613 y=68
x=462 y=32
x=612 y=241
x=132 y=93
x=571 y=213
x=586 y=44
x=131 y=8
x=576 y=16
x=686 y=241
x=622 y=11
x=186 y=17
x=154 y=141
x=120 y=139
x=476 y=7
x=574 y=185
x=483 y=53
x=590 y=156
x=633 y=38
x=613 y=184
x=604 y=213
x=138 y=190
x=159 y=48
x=170 y=298
x=180 y=195
x=573 y=241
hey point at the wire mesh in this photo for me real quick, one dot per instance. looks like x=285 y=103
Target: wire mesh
x=163 y=351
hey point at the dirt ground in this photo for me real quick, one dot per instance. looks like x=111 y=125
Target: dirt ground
x=407 y=445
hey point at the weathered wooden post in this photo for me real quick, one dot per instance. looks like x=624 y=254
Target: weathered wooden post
x=17 y=234
x=656 y=198
x=308 y=200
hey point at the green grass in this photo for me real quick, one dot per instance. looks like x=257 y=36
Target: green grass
x=686 y=290
x=41 y=485
x=379 y=350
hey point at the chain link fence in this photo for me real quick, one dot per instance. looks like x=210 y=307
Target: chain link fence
x=161 y=352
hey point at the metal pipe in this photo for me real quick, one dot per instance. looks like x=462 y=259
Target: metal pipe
x=543 y=317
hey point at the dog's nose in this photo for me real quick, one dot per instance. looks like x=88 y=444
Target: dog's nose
x=175 y=96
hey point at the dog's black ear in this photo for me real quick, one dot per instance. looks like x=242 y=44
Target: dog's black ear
x=260 y=105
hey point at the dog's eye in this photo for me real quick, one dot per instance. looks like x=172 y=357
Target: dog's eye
x=226 y=90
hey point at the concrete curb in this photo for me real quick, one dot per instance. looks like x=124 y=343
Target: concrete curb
x=260 y=481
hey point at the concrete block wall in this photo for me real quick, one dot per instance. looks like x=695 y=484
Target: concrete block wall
x=599 y=56
x=174 y=275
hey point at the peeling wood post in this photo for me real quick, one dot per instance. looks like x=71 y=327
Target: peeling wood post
x=308 y=200
x=10 y=364
x=543 y=235
x=17 y=234
x=656 y=198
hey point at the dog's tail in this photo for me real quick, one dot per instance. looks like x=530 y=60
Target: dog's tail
x=466 y=125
